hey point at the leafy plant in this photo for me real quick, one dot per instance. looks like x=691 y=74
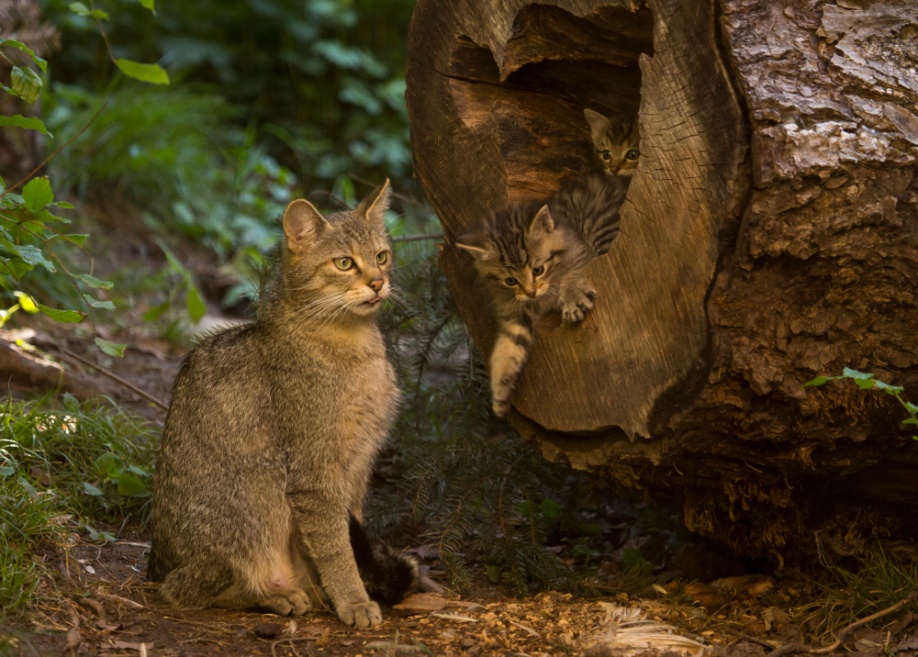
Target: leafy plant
x=866 y=381
x=59 y=466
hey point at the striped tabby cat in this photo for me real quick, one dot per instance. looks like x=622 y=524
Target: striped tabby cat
x=617 y=143
x=532 y=258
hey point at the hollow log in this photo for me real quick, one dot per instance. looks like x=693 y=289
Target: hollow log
x=770 y=235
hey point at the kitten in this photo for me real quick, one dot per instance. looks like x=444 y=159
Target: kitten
x=272 y=433
x=617 y=143
x=532 y=258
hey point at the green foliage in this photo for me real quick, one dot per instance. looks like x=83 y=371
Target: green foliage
x=866 y=381
x=60 y=465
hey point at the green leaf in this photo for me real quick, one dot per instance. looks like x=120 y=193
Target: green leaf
x=30 y=254
x=195 y=304
x=25 y=84
x=910 y=420
x=108 y=465
x=854 y=374
x=7 y=470
x=111 y=348
x=19 y=45
x=94 y=282
x=79 y=239
x=890 y=389
x=104 y=305
x=911 y=408
x=148 y=4
x=37 y=194
x=89 y=489
x=130 y=485
x=63 y=316
x=151 y=73
x=864 y=384
x=80 y=9
x=25 y=122
x=818 y=381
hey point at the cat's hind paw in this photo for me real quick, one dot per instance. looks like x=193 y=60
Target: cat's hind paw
x=576 y=309
x=500 y=407
x=294 y=602
x=361 y=614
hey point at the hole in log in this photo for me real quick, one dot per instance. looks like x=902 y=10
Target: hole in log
x=530 y=96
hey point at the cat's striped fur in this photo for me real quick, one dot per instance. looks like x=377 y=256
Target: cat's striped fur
x=532 y=258
x=617 y=143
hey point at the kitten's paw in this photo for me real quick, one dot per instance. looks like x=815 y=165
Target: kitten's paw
x=362 y=614
x=579 y=307
x=294 y=602
x=500 y=407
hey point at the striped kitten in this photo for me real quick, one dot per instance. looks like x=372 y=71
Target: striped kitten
x=532 y=258
x=617 y=143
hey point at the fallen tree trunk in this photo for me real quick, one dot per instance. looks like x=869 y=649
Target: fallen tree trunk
x=769 y=235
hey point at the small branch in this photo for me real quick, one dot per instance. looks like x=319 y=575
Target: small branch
x=114 y=377
x=791 y=648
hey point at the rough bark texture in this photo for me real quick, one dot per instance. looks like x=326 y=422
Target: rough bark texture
x=769 y=235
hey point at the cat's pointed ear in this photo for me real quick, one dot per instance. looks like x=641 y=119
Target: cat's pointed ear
x=302 y=225
x=542 y=222
x=599 y=124
x=470 y=242
x=374 y=206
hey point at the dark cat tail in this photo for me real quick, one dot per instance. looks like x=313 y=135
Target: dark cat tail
x=387 y=575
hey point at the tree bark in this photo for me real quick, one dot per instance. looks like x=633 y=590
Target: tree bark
x=769 y=235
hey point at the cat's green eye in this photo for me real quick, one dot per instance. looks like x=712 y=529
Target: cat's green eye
x=633 y=154
x=538 y=271
x=382 y=257
x=343 y=263
x=605 y=155
x=510 y=281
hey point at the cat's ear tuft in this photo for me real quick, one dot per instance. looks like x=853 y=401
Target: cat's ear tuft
x=303 y=225
x=374 y=206
x=471 y=241
x=542 y=222
x=599 y=124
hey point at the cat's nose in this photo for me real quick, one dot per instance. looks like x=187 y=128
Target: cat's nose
x=376 y=284
x=531 y=293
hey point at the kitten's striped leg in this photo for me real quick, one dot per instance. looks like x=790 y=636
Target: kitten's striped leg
x=511 y=349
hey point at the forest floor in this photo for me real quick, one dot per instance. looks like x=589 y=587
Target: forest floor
x=95 y=600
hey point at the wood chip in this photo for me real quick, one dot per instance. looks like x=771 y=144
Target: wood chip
x=420 y=603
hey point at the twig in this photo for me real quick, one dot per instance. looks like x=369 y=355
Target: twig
x=114 y=377
x=802 y=648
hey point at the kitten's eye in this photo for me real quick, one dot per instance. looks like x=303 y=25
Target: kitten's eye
x=343 y=263
x=605 y=155
x=538 y=271
x=510 y=281
x=633 y=154
x=382 y=257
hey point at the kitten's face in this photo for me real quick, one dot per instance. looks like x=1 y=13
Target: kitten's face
x=617 y=144
x=340 y=263
x=517 y=253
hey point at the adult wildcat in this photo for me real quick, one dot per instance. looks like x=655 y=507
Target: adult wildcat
x=273 y=431
x=532 y=258
x=617 y=143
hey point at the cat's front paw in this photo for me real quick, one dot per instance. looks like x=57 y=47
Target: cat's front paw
x=362 y=614
x=294 y=602
x=574 y=310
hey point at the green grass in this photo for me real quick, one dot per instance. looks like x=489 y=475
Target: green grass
x=61 y=468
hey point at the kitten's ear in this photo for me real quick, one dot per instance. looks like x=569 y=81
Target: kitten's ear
x=374 y=206
x=471 y=244
x=302 y=225
x=542 y=223
x=599 y=124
